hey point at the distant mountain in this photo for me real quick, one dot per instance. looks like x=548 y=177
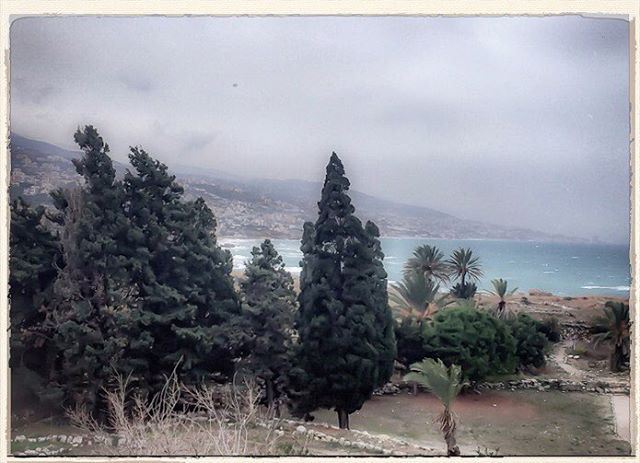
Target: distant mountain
x=256 y=207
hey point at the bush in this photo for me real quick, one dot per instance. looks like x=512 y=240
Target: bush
x=464 y=291
x=550 y=327
x=409 y=341
x=481 y=344
x=530 y=341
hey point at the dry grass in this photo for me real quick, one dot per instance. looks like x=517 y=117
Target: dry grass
x=182 y=420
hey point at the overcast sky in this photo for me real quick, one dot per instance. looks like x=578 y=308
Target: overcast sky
x=519 y=121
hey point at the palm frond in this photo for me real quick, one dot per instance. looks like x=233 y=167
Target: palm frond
x=413 y=294
x=444 y=382
x=463 y=264
x=428 y=260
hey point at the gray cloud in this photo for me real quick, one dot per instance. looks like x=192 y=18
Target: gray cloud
x=522 y=121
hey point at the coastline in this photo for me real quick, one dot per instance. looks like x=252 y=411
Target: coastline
x=573 y=310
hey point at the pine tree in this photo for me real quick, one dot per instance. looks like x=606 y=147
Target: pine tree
x=35 y=257
x=346 y=343
x=93 y=295
x=269 y=303
x=188 y=302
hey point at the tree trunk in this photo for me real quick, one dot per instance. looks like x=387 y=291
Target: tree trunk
x=415 y=388
x=501 y=305
x=615 y=359
x=270 y=395
x=343 y=419
x=271 y=399
x=452 y=448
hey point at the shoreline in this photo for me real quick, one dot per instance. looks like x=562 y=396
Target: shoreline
x=535 y=296
x=230 y=239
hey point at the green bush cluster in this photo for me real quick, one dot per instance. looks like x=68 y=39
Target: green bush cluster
x=550 y=327
x=480 y=343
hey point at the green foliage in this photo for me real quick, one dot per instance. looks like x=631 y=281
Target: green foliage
x=481 y=344
x=463 y=265
x=500 y=289
x=35 y=257
x=409 y=341
x=615 y=327
x=530 y=340
x=442 y=381
x=346 y=342
x=144 y=285
x=550 y=327
x=445 y=383
x=186 y=295
x=268 y=307
x=413 y=296
x=464 y=290
x=92 y=293
x=428 y=261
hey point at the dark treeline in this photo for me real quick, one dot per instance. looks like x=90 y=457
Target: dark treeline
x=126 y=277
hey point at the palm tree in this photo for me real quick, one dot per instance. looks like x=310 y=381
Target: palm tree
x=428 y=260
x=463 y=265
x=416 y=296
x=500 y=290
x=445 y=383
x=615 y=326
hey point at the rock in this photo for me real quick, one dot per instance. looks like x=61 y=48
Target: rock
x=301 y=429
x=20 y=438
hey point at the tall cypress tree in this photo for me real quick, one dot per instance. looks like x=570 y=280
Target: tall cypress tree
x=269 y=303
x=346 y=343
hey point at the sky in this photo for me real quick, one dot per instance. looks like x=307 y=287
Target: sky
x=521 y=121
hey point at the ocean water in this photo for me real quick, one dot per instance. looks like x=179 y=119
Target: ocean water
x=565 y=269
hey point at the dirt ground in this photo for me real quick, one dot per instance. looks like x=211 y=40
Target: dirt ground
x=506 y=422
x=540 y=305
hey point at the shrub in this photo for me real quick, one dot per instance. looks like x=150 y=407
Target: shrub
x=409 y=341
x=530 y=341
x=464 y=290
x=550 y=327
x=478 y=342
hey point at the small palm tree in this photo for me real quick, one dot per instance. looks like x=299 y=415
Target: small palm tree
x=500 y=290
x=445 y=383
x=429 y=261
x=463 y=265
x=615 y=326
x=416 y=296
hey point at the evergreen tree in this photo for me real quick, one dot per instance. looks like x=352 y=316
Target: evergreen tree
x=187 y=299
x=35 y=257
x=269 y=303
x=346 y=343
x=93 y=296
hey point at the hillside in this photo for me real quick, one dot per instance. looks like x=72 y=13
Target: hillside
x=252 y=208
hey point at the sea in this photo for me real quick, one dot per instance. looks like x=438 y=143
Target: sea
x=564 y=269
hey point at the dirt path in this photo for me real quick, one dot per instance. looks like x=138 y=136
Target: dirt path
x=621 y=410
x=559 y=356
